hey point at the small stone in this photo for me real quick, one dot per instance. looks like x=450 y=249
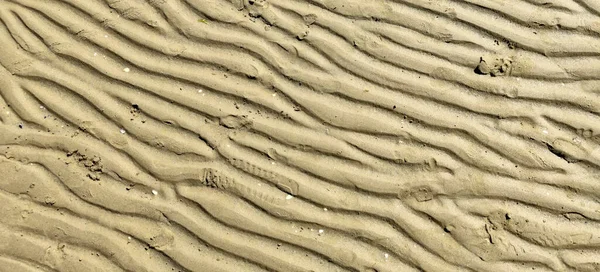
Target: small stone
x=482 y=68
x=93 y=176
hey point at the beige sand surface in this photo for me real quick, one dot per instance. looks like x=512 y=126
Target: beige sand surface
x=299 y=135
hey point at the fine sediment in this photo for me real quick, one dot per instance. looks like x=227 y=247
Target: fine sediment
x=299 y=135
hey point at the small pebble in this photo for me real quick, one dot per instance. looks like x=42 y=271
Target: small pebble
x=288 y=197
x=154 y=192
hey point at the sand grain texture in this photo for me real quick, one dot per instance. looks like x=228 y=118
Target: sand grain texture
x=299 y=135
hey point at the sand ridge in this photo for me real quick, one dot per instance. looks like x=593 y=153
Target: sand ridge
x=299 y=135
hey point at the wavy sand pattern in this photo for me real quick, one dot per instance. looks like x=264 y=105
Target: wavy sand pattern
x=299 y=135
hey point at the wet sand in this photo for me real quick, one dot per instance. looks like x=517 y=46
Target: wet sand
x=299 y=135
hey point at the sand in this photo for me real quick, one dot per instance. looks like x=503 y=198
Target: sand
x=299 y=135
